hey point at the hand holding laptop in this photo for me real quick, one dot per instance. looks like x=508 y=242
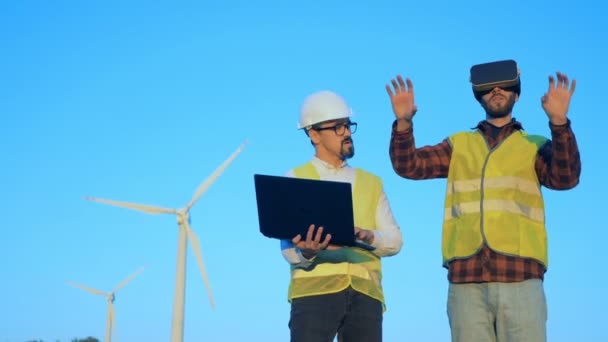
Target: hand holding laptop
x=311 y=246
x=364 y=235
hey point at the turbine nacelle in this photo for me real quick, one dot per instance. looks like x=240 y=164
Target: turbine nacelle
x=183 y=217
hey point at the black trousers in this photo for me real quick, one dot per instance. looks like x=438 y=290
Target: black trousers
x=353 y=316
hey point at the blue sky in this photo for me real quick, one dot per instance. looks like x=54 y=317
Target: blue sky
x=141 y=101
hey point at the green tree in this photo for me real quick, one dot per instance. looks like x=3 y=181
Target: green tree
x=87 y=339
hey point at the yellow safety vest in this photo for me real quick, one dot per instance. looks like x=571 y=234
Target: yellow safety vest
x=494 y=197
x=334 y=271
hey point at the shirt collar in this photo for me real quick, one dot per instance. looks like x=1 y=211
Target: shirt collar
x=485 y=126
x=327 y=166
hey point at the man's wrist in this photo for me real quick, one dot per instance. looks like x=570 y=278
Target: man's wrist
x=559 y=122
x=403 y=124
x=307 y=255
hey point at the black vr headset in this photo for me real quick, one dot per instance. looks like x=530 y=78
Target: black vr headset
x=487 y=76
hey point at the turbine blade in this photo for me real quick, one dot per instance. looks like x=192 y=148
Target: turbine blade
x=88 y=289
x=135 y=206
x=203 y=187
x=196 y=246
x=128 y=279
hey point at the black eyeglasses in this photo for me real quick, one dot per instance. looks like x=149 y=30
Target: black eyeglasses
x=340 y=128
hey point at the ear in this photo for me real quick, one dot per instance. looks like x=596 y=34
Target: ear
x=315 y=138
x=516 y=97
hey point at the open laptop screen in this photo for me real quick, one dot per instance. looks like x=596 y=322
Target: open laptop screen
x=288 y=206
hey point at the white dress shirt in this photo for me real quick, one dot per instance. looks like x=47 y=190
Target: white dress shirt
x=387 y=236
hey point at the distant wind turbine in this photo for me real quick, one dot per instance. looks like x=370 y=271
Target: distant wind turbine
x=185 y=234
x=110 y=321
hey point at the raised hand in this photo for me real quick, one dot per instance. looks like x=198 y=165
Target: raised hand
x=402 y=98
x=556 y=100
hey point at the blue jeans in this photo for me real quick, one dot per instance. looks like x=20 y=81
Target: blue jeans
x=354 y=316
x=498 y=312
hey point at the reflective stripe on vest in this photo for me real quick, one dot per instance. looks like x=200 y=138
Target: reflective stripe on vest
x=343 y=268
x=333 y=271
x=483 y=205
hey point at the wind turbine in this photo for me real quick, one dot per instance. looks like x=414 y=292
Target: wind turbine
x=110 y=322
x=185 y=234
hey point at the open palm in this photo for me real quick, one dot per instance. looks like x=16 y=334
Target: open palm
x=402 y=98
x=556 y=100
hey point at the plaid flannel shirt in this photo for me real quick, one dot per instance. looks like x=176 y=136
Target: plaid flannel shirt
x=557 y=165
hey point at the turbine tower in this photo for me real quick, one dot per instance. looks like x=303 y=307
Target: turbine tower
x=185 y=234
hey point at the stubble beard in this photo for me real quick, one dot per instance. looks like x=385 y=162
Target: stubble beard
x=501 y=110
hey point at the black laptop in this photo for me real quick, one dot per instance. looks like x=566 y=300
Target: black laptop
x=288 y=206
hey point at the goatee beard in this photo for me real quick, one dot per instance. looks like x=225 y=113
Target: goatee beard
x=347 y=152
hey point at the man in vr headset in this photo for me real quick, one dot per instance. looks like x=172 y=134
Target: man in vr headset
x=494 y=241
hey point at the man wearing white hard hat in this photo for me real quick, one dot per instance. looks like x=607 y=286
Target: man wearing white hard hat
x=338 y=290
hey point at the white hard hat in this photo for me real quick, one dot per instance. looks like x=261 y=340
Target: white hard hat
x=322 y=106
